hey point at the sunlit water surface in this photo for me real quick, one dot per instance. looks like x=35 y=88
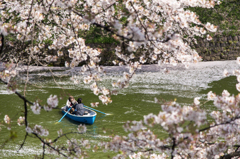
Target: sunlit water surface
x=131 y=104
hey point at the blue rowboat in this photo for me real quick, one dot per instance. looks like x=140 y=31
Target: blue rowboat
x=87 y=119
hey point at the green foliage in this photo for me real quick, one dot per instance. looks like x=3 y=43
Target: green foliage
x=123 y=19
x=226 y=16
x=95 y=35
x=13 y=135
x=232 y=33
x=48 y=41
x=100 y=39
x=50 y=65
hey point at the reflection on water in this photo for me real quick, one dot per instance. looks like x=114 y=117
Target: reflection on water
x=92 y=130
x=131 y=104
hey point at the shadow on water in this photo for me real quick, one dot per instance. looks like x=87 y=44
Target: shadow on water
x=228 y=83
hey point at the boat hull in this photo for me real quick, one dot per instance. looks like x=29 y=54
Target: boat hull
x=86 y=119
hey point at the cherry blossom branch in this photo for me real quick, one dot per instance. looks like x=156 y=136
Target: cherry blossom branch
x=49 y=145
x=224 y=123
x=231 y=155
x=173 y=147
x=24 y=140
x=106 y=8
x=25 y=112
x=140 y=20
x=55 y=140
x=56 y=81
x=19 y=95
x=43 y=153
x=238 y=146
x=129 y=39
x=107 y=28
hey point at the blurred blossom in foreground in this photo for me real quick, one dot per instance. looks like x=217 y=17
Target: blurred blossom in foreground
x=52 y=101
x=7 y=119
x=36 y=108
x=21 y=121
x=38 y=129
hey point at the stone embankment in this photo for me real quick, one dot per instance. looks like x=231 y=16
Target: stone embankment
x=218 y=49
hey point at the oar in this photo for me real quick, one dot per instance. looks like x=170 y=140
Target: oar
x=65 y=114
x=94 y=109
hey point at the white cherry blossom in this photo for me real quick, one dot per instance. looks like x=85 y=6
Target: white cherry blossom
x=7 y=120
x=38 y=129
x=211 y=95
x=238 y=87
x=196 y=100
x=21 y=121
x=36 y=108
x=52 y=101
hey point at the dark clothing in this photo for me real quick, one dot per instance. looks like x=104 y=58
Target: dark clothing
x=79 y=109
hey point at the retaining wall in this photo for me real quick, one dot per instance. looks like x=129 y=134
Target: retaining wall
x=220 y=48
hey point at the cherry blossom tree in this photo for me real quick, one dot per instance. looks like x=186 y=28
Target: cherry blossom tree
x=159 y=31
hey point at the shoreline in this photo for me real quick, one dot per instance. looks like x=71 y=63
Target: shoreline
x=63 y=71
x=144 y=68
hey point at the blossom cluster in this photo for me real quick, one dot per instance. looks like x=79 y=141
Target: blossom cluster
x=8 y=71
x=102 y=92
x=157 y=31
x=52 y=101
x=94 y=104
x=160 y=30
x=189 y=129
x=38 y=129
x=21 y=121
x=7 y=120
x=36 y=108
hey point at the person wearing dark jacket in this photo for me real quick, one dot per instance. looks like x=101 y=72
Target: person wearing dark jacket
x=78 y=108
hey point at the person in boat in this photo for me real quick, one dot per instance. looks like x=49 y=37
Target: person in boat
x=79 y=108
x=70 y=103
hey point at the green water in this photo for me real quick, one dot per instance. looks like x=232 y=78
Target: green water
x=131 y=104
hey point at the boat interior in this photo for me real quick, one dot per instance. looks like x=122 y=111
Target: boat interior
x=88 y=112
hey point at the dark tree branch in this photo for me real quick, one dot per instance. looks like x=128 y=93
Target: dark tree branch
x=26 y=124
x=231 y=155
x=227 y=122
x=21 y=146
x=2 y=40
x=106 y=8
x=108 y=29
x=173 y=147
x=237 y=147
x=139 y=20
x=43 y=150
x=49 y=145
x=55 y=140
x=25 y=114
x=20 y=96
